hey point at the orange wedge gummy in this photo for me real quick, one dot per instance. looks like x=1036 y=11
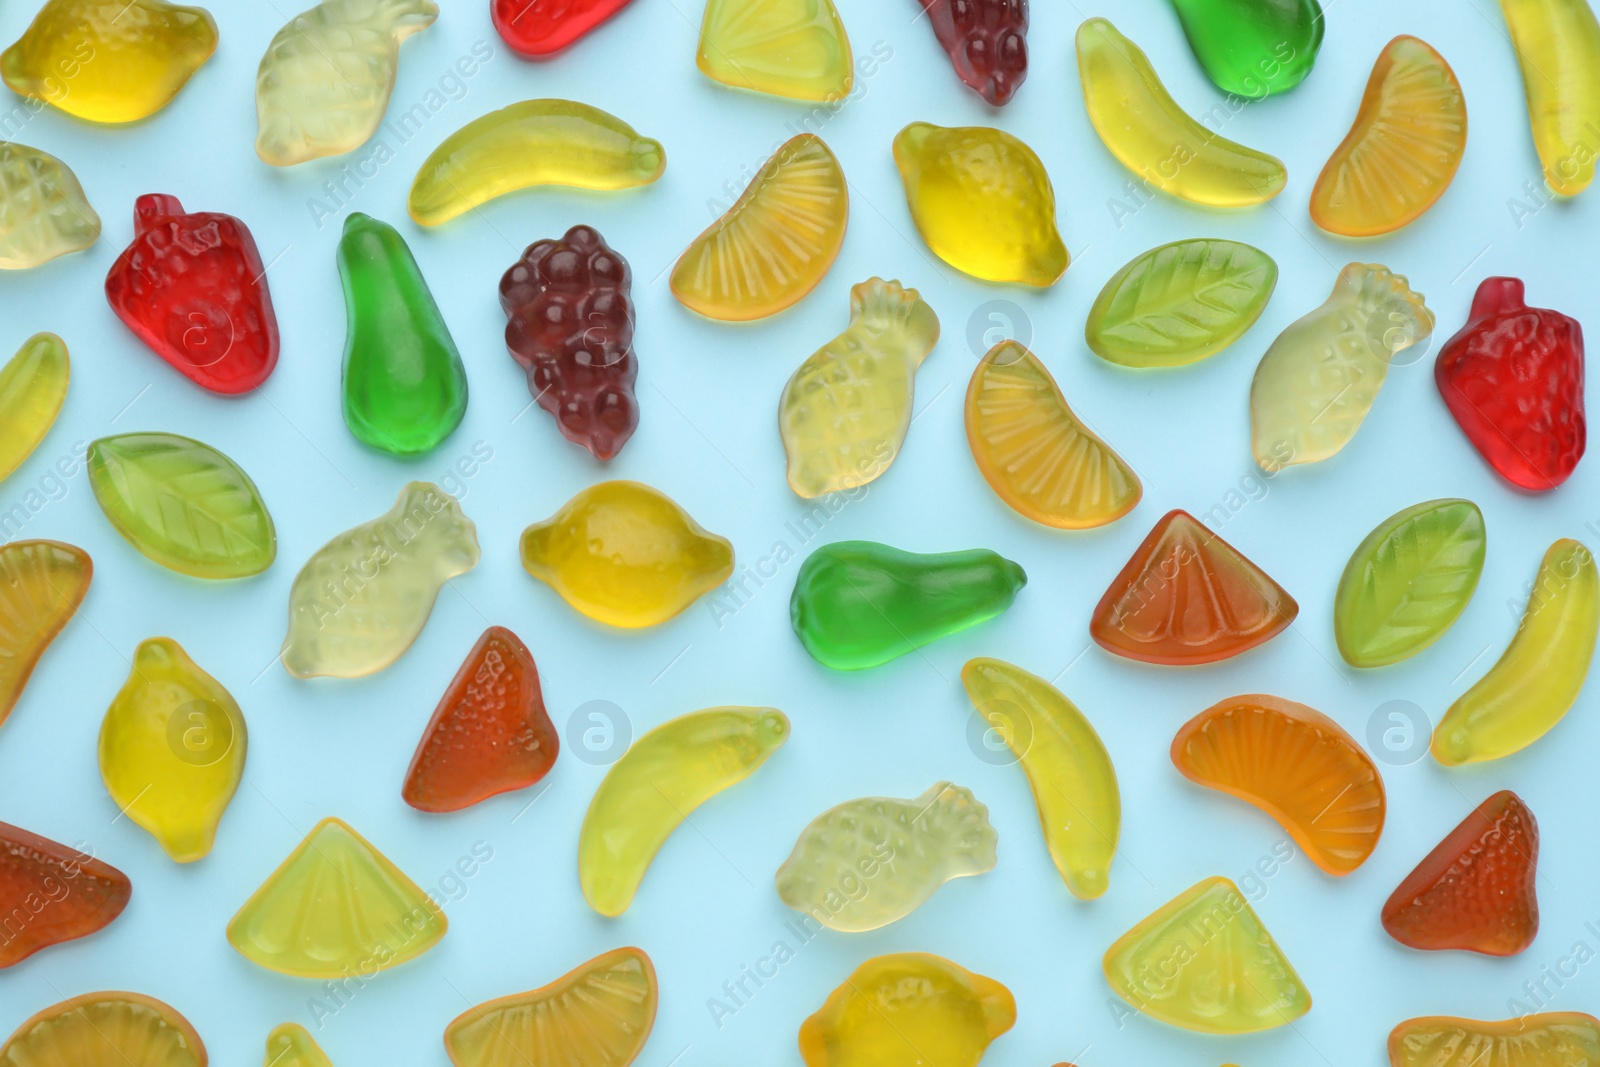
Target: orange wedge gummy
x=1541 y=1039
x=114 y=1029
x=41 y=585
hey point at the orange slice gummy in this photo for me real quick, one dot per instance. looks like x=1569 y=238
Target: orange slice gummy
x=596 y=1015
x=41 y=585
x=114 y=1029
x=1403 y=150
x=1542 y=1039
x=776 y=242
x=1035 y=453
x=1295 y=764
x=1188 y=597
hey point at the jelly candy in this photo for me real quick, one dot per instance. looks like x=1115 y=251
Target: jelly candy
x=1404 y=149
x=844 y=414
x=1253 y=48
x=172 y=749
x=127 y=1029
x=363 y=597
x=1408 y=582
x=325 y=82
x=535 y=142
x=857 y=604
x=1295 y=764
x=58 y=893
x=1557 y=43
x=336 y=905
x=192 y=287
x=626 y=555
x=892 y=1007
x=1319 y=379
x=662 y=778
x=1233 y=978
x=1180 y=303
x=1476 y=889
x=182 y=504
x=540 y=28
x=1144 y=128
x=490 y=733
x=1041 y=459
x=983 y=202
x=43 y=212
x=405 y=389
x=987 y=40
x=1068 y=768
x=868 y=862
x=571 y=331
x=775 y=243
x=289 y=1045
x=792 y=48
x=1513 y=379
x=109 y=60
x=1189 y=597
x=33 y=386
x=41 y=585
x=599 y=1014
x=1538 y=677
x=1538 y=1039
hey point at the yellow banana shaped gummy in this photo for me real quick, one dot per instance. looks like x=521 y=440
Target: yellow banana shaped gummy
x=33 y=386
x=1558 y=46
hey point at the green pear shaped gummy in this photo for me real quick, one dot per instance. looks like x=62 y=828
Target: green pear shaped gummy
x=405 y=389
x=857 y=604
x=1253 y=48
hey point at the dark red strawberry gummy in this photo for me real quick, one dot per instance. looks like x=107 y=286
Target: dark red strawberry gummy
x=987 y=41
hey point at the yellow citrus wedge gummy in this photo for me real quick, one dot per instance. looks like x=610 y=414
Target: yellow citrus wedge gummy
x=792 y=48
x=111 y=1029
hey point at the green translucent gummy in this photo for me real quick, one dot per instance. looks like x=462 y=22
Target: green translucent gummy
x=1253 y=48
x=857 y=604
x=405 y=389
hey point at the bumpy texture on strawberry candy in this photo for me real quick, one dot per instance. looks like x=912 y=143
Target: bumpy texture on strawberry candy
x=987 y=42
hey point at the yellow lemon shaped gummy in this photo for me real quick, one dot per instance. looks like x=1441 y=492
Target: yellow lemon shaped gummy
x=792 y=48
x=33 y=386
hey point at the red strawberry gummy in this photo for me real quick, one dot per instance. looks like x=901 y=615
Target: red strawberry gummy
x=50 y=893
x=571 y=330
x=539 y=28
x=1513 y=379
x=193 y=288
x=490 y=733
x=1475 y=890
x=987 y=41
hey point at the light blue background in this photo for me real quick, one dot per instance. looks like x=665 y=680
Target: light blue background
x=707 y=438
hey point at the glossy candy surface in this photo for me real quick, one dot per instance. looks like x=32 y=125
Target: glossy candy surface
x=363 y=597
x=1188 y=597
x=183 y=504
x=626 y=554
x=775 y=243
x=490 y=733
x=1253 y=48
x=50 y=893
x=1035 y=453
x=1477 y=889
x=987 y=41
x=1513 y=379
x=893 y=1007
x=1537 y=1039
x=33 y=386
x=857 y=604
x=1403 y=150
x=1315 y=385
x=43 y=210
x=663 y=777
x=41 y=585
x=1295 y=764
x=1557 y=44
x=792 y=48
x=1233 y=979
x=535 y=142
x=541 y=28
x=1408 y=581
x=121 y=1029
x=172 y=749
x=109 y=60
x=865 y=863
x=325 y=82
x=982 y=201
x=844 y=413
x=335 y=906
x=405 y=389
x=1068 y=768
x=1144 y=128
x=290 y=1045
x=599 y=1014
x=1539 y=676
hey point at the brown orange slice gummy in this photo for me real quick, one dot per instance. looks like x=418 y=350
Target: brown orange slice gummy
x=1547 y=1039
x=41 y=585
x=110 y=1029
x=1295 y=764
